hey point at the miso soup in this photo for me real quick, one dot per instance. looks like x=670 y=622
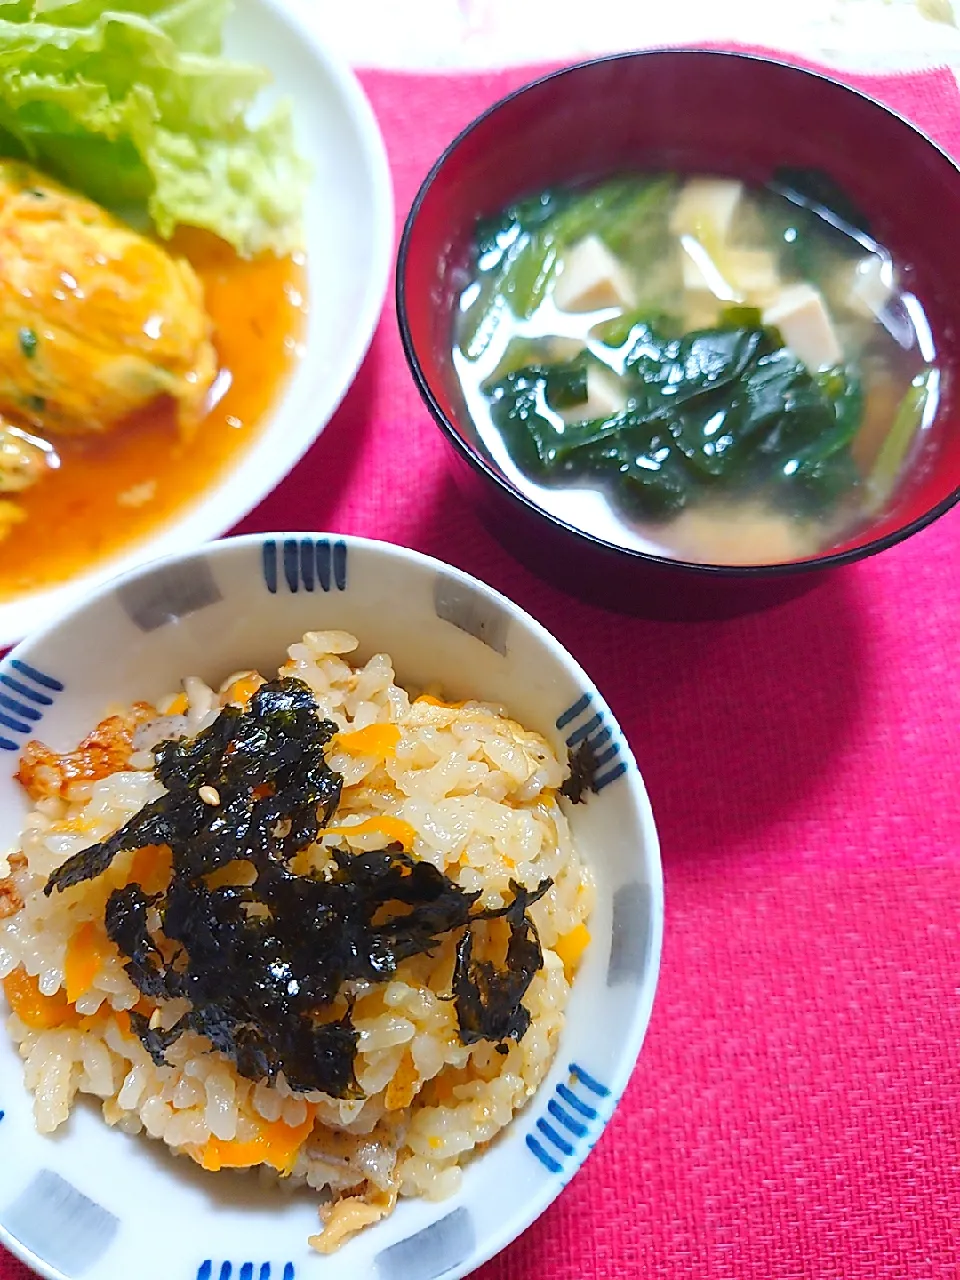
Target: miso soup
x=694 y=367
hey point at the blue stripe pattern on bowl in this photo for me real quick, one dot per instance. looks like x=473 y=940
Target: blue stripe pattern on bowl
x=586 y=725
x=306 y=563
x=244 y=1271
x=25 y=694
x=571 y=1114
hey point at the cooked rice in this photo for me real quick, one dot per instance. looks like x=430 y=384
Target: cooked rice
x=480 y=792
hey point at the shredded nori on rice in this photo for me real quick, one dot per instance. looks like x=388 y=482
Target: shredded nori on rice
x=262 y=958
x=488 y=999
x=582 y=778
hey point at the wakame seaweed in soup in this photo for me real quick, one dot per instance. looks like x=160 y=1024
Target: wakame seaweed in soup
x=694 y=367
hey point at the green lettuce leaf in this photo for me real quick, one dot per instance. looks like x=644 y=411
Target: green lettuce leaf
x=134 y=105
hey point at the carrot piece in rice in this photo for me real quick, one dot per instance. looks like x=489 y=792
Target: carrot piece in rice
x=378 y=740
x=86 y=951
x=37 y=1011
x=402 y=1089
x=431 y=701
x=151 y=868
x=571 y=946
x=395 y=829
x=243 y=689
x=276 y=1144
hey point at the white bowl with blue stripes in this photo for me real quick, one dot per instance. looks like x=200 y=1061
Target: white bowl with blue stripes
x=96 y=1203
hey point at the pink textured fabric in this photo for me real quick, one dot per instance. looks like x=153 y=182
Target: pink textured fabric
x=795 y=1110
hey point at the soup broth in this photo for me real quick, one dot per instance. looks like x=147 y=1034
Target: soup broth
x=696 y=368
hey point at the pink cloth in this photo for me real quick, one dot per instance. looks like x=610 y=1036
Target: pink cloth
x=796 y=1109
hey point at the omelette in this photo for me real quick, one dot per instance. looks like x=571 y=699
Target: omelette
x=99 y=322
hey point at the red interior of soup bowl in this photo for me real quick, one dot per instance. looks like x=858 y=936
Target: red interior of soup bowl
x=706 y=112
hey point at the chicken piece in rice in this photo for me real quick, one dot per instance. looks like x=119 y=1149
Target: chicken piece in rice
x=458 y=786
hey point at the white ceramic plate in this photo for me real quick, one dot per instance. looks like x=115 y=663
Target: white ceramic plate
x=95 y=1203
x=349 y=242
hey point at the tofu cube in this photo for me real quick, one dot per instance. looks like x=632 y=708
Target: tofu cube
x=803 y=320
x=605 y=398
x=870 y=286
x=559 y=347
x=701 y=275
x=705 y=208
x=702 y=311
x=592 y=279
x=752 y=272
x=736 y=275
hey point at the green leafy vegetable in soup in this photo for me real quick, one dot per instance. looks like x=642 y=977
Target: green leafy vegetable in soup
x=659 y=357
x=720 y=409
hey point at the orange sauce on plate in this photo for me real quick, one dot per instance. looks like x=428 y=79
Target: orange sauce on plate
x=113 y=491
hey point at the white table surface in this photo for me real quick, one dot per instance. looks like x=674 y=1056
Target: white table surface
x=437 y=34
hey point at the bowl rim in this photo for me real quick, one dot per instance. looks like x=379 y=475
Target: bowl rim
x=531 y=1203
x=485 y=467
x=218 y=505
